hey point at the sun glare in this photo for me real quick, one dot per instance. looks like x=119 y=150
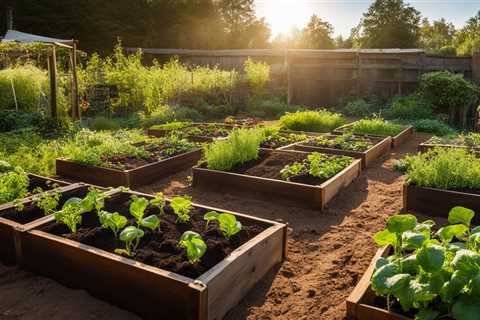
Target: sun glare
x=282 y=16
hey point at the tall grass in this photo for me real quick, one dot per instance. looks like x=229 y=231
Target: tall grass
x=313 y=121
x=377 y=126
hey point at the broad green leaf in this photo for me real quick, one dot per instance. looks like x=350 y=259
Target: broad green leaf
x=475 y=237
x=467 y=261
x=400 y=223
x=194 y=245
x=436 y=282
x=455 y=246
x=454 y=286
x=475 y=285
x=466 y=308
x=381 y=262
x=137 y=207
x=385 y=238
x=398 y=281
x=379 y=278
x=476 y=229
x=446 y=234
x=409 y=264
x=404 y=293
x=210 y=216
x=413 y=240
x=130 y=233
x=422 y=291
x=427 y=314
x=152 y=222
x=431 y=257
x=461 y=215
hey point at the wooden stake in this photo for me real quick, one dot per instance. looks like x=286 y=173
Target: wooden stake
x=75 y=106
x=52 y=69
x=14 y=95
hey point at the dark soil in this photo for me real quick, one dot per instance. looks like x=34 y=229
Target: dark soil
x=280 y=140
x=32 y=212
x=159 y=248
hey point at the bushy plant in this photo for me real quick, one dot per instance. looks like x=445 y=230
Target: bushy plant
x=361 y=108
x=102 y=123
x=434 y=126
x=377 y=126
x=13 y=185
x=412 y=107
x=313 y=121
x=270 y=109
x=241 y=146
x=453 y=169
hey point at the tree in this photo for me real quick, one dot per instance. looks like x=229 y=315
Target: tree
x=317 y=34
x=437 y=37
x=389 y=24
x=341 y=43
x=467 y=39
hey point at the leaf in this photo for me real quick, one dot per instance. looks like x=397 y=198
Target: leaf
x=436 y=282
x=401 y=223
x=194 y=245
x=427 y=314
x=409 y=264
x=413 y=240
x=475 y=285
x=422 y=292
x=404 y=292
x=138 y=207
x=454 y=286
x=385 y=238
x=211 y=216
x=398 y=281
x=431 y=257
x=123 y=252
x=381 y=262
x=379 y=278
x=152 y=222
x=130 y=233
x=461 y=215
x=447 y=233
x=467 y=261
x=455 y=246
x=466 y=308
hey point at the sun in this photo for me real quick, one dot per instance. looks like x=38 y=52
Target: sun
x=283 y=15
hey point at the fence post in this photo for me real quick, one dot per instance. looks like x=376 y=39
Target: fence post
x=476 y=67
x=52 y=68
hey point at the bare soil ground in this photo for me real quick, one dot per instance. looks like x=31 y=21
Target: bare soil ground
x=327 y=254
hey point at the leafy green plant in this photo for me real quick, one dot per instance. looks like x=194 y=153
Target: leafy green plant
x=241 y=146
x=227 y=223
x=71 y=214
x=94 y=200
x=171 y=126
x=433 y=275
x=131 y=236
x=137 y=210
x=361 y=108
x=159 y=202
x=113 y=221
x=376 y=126
x=434 y=126
x=48 y=201
x=13 y=185
x=346 y=141
x=292 y=170
x=313 y=121
x=273 y=138
x=194 y=245
x=181 y=207
x=412 y=107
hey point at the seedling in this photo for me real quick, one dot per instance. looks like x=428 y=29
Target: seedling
x=48 y=202
x=181 y=207
x=194 y=245
x=113 y=221
x=289 y=171
x=159 y=201
x=94 y=199
x=71 y=214
x=137 y=210
x=131 y=236
x=227 y=223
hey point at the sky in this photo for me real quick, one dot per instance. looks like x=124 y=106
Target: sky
x=282 y=15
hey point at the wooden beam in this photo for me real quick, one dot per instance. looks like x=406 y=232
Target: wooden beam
x=75 y=102
x=52 y=69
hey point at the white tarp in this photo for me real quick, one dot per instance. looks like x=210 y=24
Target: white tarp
x=14 y=35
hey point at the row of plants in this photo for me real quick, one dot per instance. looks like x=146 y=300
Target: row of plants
x=470 y=139
x=311 y=121
x=345 y=141
x=375 y=126
x=273 y=138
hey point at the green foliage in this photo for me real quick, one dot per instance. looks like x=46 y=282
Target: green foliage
x=71 y=214
x=48 y=201
x=434 y=126
x=376 y=126
x=312 y=121
x=113 y=221
x=268 y=108
x=273 y=138
x=257 y=75
x=428 y=274
x=346 y=141
x=131 y=236
x=13 y=185
x=159 y=202
x=102 y=123
x=471 y=140
x=181 y=207
x=411 y=107
x=13 y=120
x=452 y=169
x=137 y=210
x=171 y=126
x=241 y=146
x=318 y=165
x=227 y=223
x=361 y=108
x=194 y=245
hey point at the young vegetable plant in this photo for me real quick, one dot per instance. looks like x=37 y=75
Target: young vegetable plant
x=137 y=210
x=181 y=207
x=293 y=170
x=113 y=221
x=431 y=275
x=159 y=201
x=48 y=202
x=94 y=199
x=131 y=236
x=227 y=223
x=71 y=214
x=194 y=245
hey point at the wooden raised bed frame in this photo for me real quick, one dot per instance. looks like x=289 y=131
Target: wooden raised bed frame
x=308 y=195
x=360 y=303
x=381 y=147
x=164 y=133
x=151 y=292
x=438 y=202
x=108 y=177
x=397 y=140
x=424 y=147
x=9 y=229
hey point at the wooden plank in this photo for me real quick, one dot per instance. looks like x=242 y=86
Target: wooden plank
x=52 y=68
x=341 y=180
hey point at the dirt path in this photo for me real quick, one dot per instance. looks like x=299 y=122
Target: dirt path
x=328 y=253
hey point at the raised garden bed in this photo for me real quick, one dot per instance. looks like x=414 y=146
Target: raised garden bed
x=368 y=149
x=157 y=281
x=461 y=142
x=136 y=172
x=438 y=202
x=282 y=140
x=18 y=216
x=197 y=132
x=397 y=139
x=263 y=178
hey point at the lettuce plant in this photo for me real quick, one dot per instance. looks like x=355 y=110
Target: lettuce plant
x=435 y=275
x=181 y=207
x=227 y=223
x=194 y=245
x=113 y=221
x=131 y=236
x=159 y=202
x=71 y=214
x=137 y=210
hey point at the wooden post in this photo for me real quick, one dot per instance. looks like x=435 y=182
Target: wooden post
x=75 y=105
x=359 y=74
x=52 y=69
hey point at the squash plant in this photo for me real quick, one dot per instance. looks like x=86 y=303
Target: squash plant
x=435 y=275
x=137 y=210
x=227 y=223
x=194 y=245
x=181 y=207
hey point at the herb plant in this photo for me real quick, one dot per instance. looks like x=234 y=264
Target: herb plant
x=313 y=121
x=376 y=126
x=318 y=165
x=13 y=185
x=113 y=221
x=159 y=202
x=346 y=141
x=194 y=245
x=181 y=207
x=137 y=210
x=48 y=202
x=71 y=214
x=131 y=236
x=435 y=275
x=227 y=223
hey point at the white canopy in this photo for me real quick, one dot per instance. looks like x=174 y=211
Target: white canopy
x=14 y=35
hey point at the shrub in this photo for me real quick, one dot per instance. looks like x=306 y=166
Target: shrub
x=270 y=109
x=13 y=120
x=187 y=114
x=102 y=123
x=377 y=126
x=453 y=169
x=361 y=108
x=242 y=145
x=313 y=121
x=412 y=107
x=434 y=126
x=161 y=115
x=257 y=73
